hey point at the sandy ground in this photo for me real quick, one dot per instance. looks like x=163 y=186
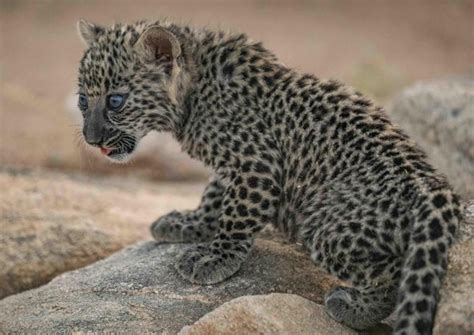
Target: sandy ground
x=377 y=46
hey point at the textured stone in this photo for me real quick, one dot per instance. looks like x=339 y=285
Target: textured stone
x=276 y=313
x=32 y=251
x=51 y=223
x=439 y=116
x=455 y=313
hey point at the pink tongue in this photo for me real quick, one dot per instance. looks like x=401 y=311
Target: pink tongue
x=105 y=151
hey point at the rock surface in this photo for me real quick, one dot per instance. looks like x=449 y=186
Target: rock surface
x=138 y=291
x=439 y=116
x=32 y=251
x=51 y=223
x=273 y=314
x=455 y=314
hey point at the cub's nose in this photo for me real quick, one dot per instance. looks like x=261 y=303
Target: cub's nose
x=94 y=135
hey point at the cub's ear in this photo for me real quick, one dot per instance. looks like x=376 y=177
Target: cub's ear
x=88 y=31
x=157 y=44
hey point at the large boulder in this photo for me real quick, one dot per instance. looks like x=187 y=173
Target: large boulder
x=34 y=250
x=272 y=314
x=138 y=291
x=51 y=223
x=439 y=116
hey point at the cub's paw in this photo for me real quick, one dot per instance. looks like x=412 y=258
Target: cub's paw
x=201 y=265
x=170 y=227
x=338 y=304
x=349 y=307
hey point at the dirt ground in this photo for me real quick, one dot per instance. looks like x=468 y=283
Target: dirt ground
x=377 y=46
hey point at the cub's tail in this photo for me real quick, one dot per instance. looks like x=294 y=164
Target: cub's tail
x=437 y=215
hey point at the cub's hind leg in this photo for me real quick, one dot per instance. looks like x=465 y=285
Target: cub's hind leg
x=197 y=225
x=354 y=252
x=374 y=275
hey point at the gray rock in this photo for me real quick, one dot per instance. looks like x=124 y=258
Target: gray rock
x=439 y=116
x=138 y=291
x=455 y=314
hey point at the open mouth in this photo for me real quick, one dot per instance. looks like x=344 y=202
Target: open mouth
x=105 y=151
x=117 y=147
x=118 y=154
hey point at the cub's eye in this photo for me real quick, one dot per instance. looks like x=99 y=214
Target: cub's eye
x=83 y=104
x=115 y=101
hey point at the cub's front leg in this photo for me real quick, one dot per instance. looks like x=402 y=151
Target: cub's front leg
x=249 y=203
x=197 y=225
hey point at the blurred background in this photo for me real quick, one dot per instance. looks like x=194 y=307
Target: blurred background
x=378 y=46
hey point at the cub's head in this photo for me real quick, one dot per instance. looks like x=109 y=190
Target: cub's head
x=131 y=81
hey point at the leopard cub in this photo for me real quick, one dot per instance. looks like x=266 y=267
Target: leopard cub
x=313 y=157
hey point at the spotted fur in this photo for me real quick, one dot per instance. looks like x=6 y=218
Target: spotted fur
x=313 y=157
